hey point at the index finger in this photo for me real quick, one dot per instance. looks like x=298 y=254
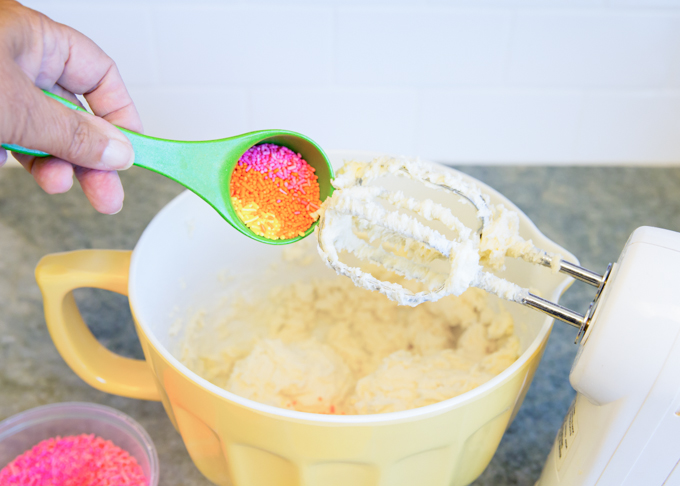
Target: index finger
x=88 y=70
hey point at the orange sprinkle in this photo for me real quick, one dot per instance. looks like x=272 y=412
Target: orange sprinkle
x=267 y=192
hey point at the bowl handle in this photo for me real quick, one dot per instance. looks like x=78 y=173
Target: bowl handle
x=58 y=275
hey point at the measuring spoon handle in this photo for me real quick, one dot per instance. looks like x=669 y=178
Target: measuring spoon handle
x=147 y=149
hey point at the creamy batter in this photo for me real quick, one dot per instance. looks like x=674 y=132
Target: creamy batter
x=329 y=347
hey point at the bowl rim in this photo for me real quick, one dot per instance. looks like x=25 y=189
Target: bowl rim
x=364 y=419
x=44 y=413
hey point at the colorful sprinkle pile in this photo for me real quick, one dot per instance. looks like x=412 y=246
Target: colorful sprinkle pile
x=78 y=460
x=275 y=192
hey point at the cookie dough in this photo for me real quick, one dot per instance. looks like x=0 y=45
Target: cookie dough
x=327 y=346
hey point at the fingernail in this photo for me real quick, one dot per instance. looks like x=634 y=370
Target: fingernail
x=117 y=155
x=119 y=210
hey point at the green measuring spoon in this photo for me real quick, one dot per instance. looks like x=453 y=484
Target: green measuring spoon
x=205 y=167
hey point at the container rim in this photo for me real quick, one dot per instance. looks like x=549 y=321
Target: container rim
x=78 y=410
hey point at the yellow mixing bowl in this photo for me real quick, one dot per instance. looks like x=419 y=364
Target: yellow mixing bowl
x=176 y=266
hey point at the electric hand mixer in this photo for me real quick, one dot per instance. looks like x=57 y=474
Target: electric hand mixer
x=624 y=425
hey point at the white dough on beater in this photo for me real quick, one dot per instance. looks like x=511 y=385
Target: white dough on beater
x=352 y=218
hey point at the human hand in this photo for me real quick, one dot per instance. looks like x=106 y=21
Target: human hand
x=37 y=53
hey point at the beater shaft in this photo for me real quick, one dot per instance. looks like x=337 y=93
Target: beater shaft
x=580 y=273
x=554 y=310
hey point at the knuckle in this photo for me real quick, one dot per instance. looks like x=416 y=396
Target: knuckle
x=79 y=145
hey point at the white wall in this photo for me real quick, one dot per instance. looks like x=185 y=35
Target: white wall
x=486 y=81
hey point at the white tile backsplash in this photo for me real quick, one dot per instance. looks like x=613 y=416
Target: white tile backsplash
x=594 y=49
x=476 y=81
x=243 y=46
x=192 y=113
x=382 y=120
x=421 y=47
x=645 y=3
x=488 y=126
x=635 y=127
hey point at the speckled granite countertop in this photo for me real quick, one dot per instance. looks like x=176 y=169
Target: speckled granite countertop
x=590 y=211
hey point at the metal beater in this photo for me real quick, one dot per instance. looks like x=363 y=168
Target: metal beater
x=407 y=245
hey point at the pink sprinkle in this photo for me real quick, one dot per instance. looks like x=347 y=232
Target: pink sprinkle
x=273 y=160
x=82 y=460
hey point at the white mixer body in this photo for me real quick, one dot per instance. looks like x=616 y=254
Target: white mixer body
x=623 y=428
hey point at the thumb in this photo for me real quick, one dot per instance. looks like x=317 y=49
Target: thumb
x=77 y=137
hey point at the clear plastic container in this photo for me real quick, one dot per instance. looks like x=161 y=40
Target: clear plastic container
x=21 y=432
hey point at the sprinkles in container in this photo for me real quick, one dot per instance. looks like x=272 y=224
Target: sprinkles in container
x=76 y=443
x=275 y=192
x=83 y=460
